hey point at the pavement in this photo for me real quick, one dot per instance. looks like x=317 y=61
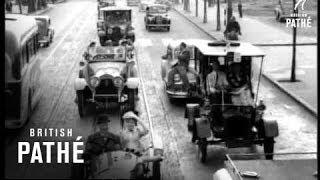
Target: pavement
x=256 y=32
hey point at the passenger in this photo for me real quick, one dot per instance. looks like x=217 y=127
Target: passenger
x=184 y=56
x=232 y=29
x=131 y=134
x=216 y=83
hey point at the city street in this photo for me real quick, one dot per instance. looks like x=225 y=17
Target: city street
x=74 y=22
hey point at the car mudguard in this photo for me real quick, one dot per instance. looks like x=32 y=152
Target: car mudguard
x=271 y=128
x=203 y=127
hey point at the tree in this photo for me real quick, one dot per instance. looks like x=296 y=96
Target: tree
x=229 y=10
x=31 y=6
x=218 y=16
x=205 y=11
x=20 y=6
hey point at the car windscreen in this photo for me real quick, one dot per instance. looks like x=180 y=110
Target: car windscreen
x=108 y=58
x=157 y=9
x=117 y=17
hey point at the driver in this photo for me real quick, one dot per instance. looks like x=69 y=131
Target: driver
x=131 y=133
x=217 y=84
x=101 y=141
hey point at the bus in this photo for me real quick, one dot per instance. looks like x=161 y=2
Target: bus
x=22 y=71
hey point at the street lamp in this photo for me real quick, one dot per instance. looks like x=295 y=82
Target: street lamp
x=293 y=65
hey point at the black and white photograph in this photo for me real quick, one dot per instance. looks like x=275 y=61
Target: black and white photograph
x=160 y=89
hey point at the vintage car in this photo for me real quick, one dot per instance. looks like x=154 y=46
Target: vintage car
x=115 y=24
x=132 y=2
x=143 y=5
x=104 y=3
x=234 y=116
x=46 y=32
x=285 y=168
x=174 y=85
x=157 y=17
x=167 y=3
x=101 y=81
x=111 y=162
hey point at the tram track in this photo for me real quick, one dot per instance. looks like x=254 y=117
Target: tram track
x=56 y=103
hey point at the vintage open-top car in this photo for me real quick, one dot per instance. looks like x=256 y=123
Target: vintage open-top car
x=157 y=17
x=101 y=78
x=115 y=24
x=233 y=114
x=174 y=84
x=110 y=161
x=46 y=32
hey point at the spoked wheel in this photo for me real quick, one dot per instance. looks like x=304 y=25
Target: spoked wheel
x=202 y=150
x=81 y=100
x=268 y=147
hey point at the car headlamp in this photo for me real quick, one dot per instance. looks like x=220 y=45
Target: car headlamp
x=94 y=81
x=118 y=82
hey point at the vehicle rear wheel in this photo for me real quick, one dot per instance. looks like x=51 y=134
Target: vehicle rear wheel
x=202 y=150
x=156 y=173
x=268 y=147
x=131 y=99
x=80 y=96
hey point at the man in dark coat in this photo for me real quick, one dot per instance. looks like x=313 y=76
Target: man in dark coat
x=233 y=27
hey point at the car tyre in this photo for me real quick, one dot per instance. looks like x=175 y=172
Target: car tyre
x=268 y=147
x=202 y=150
x=156 y=171
x=81 y=104
x=131 y=99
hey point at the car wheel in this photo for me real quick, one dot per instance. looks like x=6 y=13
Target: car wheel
x=268 y=147
x=131 y=99
x=81 y=104
x=156 y=172
x=202 y=150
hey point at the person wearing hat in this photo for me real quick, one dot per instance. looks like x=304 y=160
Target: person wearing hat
x=131 y=133
x=102 y=141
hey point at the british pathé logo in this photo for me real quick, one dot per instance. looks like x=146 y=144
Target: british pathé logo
x=299 y=20
x=298 y=3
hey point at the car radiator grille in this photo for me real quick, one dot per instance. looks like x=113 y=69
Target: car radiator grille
x=106 y=86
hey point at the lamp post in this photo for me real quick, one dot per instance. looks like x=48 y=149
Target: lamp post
x=218 y=16
x=293 y=64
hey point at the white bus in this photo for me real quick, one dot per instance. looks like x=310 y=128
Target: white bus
x=22 y=69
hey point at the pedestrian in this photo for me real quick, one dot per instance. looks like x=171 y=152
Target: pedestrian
x=184 y=56
x=240 y=9
x=233 y=29
x=9 y=6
